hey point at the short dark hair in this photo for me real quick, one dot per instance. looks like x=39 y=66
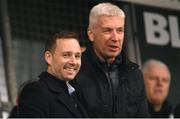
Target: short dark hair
x=51 y=43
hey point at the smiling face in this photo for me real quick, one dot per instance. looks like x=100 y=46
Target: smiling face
x=65 y=61
x=107 y=36
x=157 y=81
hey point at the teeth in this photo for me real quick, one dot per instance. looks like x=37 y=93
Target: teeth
x=113 y=46
x=71 y=69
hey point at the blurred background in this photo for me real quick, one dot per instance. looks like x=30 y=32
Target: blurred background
x=152 y=31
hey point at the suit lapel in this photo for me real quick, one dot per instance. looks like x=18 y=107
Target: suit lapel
x=59 y=88
x=66 y=100
x=80 y=106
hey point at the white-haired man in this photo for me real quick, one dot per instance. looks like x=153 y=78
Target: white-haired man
x=157 y=79
x=110 y=85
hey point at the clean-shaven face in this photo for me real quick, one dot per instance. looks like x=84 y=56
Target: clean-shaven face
x=65 y=62
x=157 y=81
x=107 y=36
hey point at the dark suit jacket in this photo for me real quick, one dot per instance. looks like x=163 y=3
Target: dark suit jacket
x=177 y=111
x=48 y=97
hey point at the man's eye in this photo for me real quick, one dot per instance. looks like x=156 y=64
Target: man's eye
x=78 y=56
x=165 y=80
x=66 y=55
x=120 y=30
x=106 y=30
x=152 y=78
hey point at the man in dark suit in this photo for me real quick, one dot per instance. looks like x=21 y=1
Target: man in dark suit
x=52 y=95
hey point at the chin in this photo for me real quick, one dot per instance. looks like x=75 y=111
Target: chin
x=113 y=54
x=157 y=101
x=70 y=78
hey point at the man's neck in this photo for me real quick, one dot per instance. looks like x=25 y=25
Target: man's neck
x=157 y=108
x=106 y=60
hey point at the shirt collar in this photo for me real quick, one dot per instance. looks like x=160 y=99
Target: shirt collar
x=70 y=88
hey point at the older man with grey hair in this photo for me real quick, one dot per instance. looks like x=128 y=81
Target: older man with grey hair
x=157 y=79
x=110 y=85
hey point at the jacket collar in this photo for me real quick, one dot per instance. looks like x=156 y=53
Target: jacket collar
x=121 y=59
x=165 y=111
x=53 y=83
x=60 y=88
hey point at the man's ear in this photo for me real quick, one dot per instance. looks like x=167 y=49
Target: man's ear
x=48 y=57
x=90 y=34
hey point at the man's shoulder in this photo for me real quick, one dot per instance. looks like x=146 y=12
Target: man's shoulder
x=130 y=66
x=33 y=86
x=26 y=84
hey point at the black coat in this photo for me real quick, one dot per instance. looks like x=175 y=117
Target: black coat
x=48 y=97
x=96 y=90
x=165 y=112
x=177 y=111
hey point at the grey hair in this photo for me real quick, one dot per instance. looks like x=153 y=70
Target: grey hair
x=155 y=62
x=107 y=9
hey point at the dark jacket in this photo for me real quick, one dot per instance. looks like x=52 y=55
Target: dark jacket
x=96 y=90
x=165 y=112
x=177 y=111
x=49 y=97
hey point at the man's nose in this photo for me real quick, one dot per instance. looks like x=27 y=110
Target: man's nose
x=114 y=35
x=72 y=59
x=159 y=81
